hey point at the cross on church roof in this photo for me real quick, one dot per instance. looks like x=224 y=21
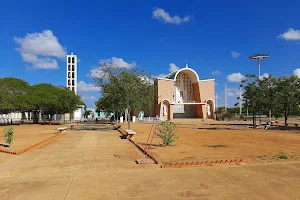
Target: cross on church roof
x=186 y=64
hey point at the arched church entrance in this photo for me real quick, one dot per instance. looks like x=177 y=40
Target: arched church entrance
x=184 y=98
x=166 y=109
x=210 y=109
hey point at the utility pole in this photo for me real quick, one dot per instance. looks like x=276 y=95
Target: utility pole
x=240 y=101
x=225 y=95
x=216 y=100
x=258 y=62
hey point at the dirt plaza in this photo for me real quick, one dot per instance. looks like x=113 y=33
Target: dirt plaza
x=29 y=134
x=82 y=164
x=223 y=142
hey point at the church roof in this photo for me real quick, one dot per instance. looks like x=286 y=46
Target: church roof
x=172 y=75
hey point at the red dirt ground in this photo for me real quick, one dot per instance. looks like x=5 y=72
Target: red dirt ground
x=221 y=142
x=29 y=134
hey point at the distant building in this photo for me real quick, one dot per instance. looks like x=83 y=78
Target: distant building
x=99 y=115
x=181 y=94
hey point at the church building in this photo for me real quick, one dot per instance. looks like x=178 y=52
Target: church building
x=182 y=94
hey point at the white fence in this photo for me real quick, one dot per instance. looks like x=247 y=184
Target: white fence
x=150 y=119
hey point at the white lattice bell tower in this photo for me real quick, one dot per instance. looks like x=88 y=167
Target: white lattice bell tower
x=72 y=72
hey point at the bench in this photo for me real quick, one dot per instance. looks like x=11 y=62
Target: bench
x=62 y=129
x=72 y=126
x=269 y=126
x=130 y=133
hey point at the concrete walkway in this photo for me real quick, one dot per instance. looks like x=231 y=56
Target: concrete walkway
x=99 y=165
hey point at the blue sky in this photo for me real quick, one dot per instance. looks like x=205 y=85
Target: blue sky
x=214 y=36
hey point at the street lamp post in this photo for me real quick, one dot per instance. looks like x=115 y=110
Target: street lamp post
x=259 y=57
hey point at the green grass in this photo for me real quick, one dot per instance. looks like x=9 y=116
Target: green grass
x=283 y=156
x=217 y=145
x=263 y=157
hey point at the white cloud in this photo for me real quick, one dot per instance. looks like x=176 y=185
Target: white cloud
x=230 y=94
x=96 y=73
x=233 y=92
x=88 y=98
x=291 y=34
x=114 y=62
x=41 y=49
x=162 y=15
x=160 y=75
x=235 y=54
x=118 y=62
x=147 y=79
x=217 y=72
x=235 y=77
x=297 y=72
x=87 y=87
x=265 y=75
x=40 y=63
x=173 y=67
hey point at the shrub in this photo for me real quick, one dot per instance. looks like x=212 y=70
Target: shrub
x=167 y=132
x=283 y=156
x=229 y=115
x=263 y=157
x=220 y=113
x=9 y=135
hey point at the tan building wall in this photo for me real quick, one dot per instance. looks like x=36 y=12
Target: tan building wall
x=207 y=90
x=165 y=91
x=196 y=92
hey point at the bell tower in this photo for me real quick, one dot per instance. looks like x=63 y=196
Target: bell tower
x=72 y=72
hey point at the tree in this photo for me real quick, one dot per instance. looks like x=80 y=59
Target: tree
x=123 y=89
x=221 y=113
x=45 y=99
x=234 y=110
x=14 y=95
x=268 y=87
x=281 y=95
x=51 y=100
x=288 y=95
x=68 y=100
x=296 y=111
x=87 y=113
x=253 y=96
x=18 y=95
